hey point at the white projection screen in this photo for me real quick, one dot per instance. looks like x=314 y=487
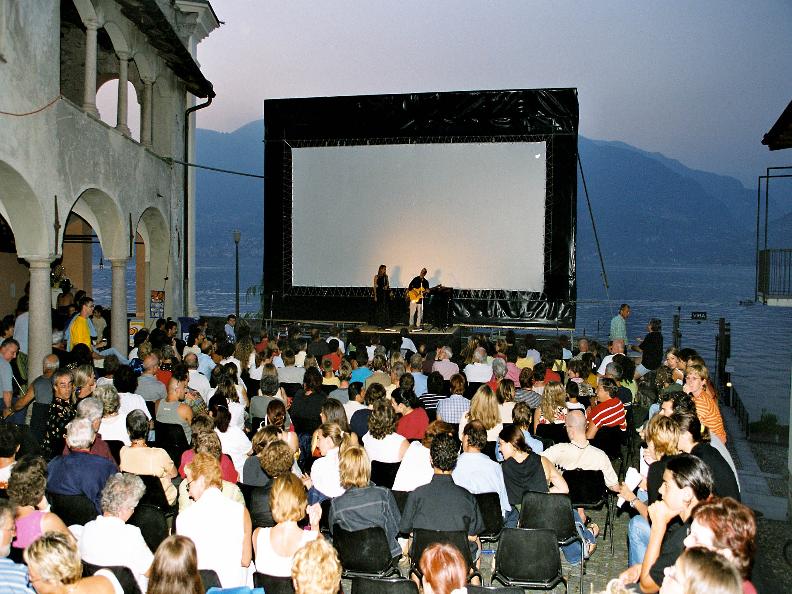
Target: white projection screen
x=473 y=214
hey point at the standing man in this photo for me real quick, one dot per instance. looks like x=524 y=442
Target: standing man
x=8 y=352
x=229 y=328
x=80 y=328
x=415 y=291
x=618 y=326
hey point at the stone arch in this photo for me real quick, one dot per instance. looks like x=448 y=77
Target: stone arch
x=100 y=211
x=158 y=260
x=107 y=104
x=20 y=207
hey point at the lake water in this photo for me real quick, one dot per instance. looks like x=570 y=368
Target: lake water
x=761 y=336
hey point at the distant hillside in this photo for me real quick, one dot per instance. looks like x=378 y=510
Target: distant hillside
x=649 y=209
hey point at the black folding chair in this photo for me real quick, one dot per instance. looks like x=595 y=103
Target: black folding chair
x=587 y=490
x=491 y=513
x=610 y=440
x=364 y=553
x=170 y=437
x=291 y=389
x=489 y=450
x=72 y=509
x=470 y=389
x=553 y=511
x=421 y=539
x=494 y=590
x=123 y=574
x=115 y=445
x=552 y=431
x=155 y=495
x=383 y=474
x=209 y=579
x=152 y=523
x=362 y=585
x=529 y=558
x=273 y=584
x=401 y=499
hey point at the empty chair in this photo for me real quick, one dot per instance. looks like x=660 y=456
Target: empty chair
x=587 y=490
x=383 y=474
x=152 y=523
x=209 y=579
x=364 y=552
x=491 y=513
x=529 y=558
x=272 y=584
x=610 y=440
x=423 y=538
x=170 y=437
x=124 y=576
x=552 y=511
x=361 y=585
x=72 y=509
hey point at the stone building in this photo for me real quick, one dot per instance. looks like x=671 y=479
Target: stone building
x=62 y=167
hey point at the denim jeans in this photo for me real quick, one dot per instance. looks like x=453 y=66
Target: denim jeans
x=637 y=539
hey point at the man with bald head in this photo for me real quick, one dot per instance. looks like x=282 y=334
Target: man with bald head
x=149 y=386
x=196 y=380
x=173 y=410
x=615 y=347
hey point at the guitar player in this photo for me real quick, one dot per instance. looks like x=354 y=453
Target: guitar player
x=415 y=293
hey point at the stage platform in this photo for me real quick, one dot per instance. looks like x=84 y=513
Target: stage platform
x=431 y=336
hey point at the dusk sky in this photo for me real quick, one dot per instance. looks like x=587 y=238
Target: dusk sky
x=697 y=81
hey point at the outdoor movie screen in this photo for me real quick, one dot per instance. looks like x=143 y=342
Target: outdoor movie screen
x=473 y=214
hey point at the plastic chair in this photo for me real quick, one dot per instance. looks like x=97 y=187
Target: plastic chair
x=610 y=441
x=587 y=490
x=364 y=552
x=272 y=584
x=552 y=431
x=72 y=509
x=401 y=499
x=155 y=495
x=552 y=511
x=152 y=523
x=209 y=579
x=423 y=538
x=529 y=558
x=491 y=513
x=383 y=474
x=170 y=437
x=362 y=585
x=494 y=590
x=123 y=574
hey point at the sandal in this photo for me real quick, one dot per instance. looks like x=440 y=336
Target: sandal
x=595 y=529
x=590 y=548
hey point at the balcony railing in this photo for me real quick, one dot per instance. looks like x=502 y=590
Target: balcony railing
x=775 y=274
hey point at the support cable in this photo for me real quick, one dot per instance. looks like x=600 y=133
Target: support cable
x=594 y=227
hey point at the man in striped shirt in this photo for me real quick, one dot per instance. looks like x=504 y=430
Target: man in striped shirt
x=609 y=410
x=14 y=577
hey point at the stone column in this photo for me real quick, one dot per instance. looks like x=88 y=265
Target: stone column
x=123 y=78
x=146 y=115
x=40 y=318
x=119 y=333
x=89 y=97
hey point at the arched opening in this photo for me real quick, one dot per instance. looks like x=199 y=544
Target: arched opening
x=153 y=266
x=107 y=104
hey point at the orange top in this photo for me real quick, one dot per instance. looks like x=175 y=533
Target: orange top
x=709 y=413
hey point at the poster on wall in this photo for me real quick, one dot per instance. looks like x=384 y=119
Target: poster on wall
x=135 y=326
x=157 y=306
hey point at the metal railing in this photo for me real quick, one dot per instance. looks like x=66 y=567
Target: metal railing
x=733 y=400
x=775 y=273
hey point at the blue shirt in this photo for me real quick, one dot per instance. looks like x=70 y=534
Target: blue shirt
x=14 y=578
x=205 y=364
x=477 y=473
x=420 y=383
x=80 y=473
x=360 y=375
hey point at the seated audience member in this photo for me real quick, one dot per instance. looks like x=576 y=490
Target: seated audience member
x=608 y=411
x=139 y=458
x=8 y=450
x=80 y=473
x=443 y=363
x=324 y=476
x=175 y=568
x=305 y=408
x=275 y=547
x=453 y=408
x=207 y=442
x=92 y=408
x=379 y=375
x=415 y=469
x=553 y=408
x=61 y=412
x=686 y=482
x=196 y=380
x=363 y=505
x=126 y=383
x=505 y=393
x=205 y=424
x=479 y=370
x=413 y=421
x=662 y=436
x=220 y=528
x=484 y=408
x=441 y=504
x=382 y=443
x=359 y=420
x=341 y=393
x=615 y=370
x=444 y=569
x=316 y=569
x=696 y=384
x=13 y=576
x=149 y=387
x=416 y=370
x=498 y=373
x=252 y=473
x=702 y=570
x=576 y=374
x=109 y=540
x=269 y=390
x=55 y=567
x=435 y=392
x=276 y=460
x=522 y=418
x=357 y=396
x=112 y=425
x=329 y=380
x=235 y=443
x=26 y=487
x=526 y=393
x=362 y=371
x=226 y=395
x=173 y=410
x=475 y=471
x=728 y=527
x=289 y=373
x=333 y=412
x=693 y=441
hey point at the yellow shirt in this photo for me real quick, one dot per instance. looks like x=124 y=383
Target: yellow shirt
x=80 y=332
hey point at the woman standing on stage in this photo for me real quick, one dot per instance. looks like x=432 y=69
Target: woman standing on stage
x=381 y=294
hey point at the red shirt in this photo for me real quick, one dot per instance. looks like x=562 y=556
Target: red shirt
x=335 y=359
x=413 y=425
x=164 y=376
x=610 y=413
x=552 y=376
x=227 y=469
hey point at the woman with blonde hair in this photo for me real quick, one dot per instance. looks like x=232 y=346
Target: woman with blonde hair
x=275 y=547
x=55 y=568
x=332 y=440
x=484 y=408
x=84 y=381
x=316 y=569
x=701 y=570
x=553 y=409
x=382 y=443
x=505 y=394
x=175 y=568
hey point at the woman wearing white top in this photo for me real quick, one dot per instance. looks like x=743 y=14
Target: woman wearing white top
x=235 y=443
x=382 y=443
x=275 y=547
x=226 y=394
x=415 y=469
x=484 y=408
x=325 y=476
x=113 y=425
x=505 y=395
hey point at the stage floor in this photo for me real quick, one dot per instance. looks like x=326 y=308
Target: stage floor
x=396 y=329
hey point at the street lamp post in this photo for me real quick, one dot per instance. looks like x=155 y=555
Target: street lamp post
x=237 y=237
